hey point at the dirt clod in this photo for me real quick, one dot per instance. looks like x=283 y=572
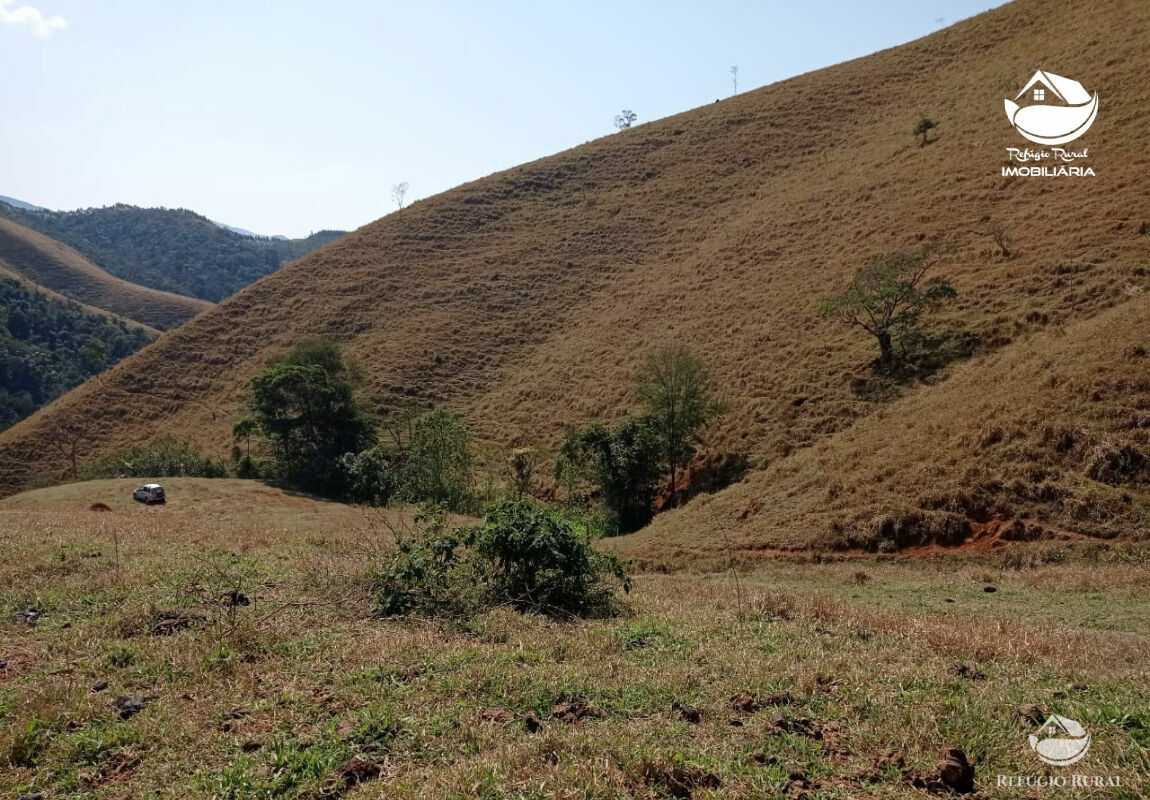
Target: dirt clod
x=689 y=713
x=956 y=772
x=165 y=623
x=496 y=715
x=749 y=703
x=1030 y=715
x=967 y=672
x=573 y=711
x=532 y=723
x=128 y=707
x=358 y=771
x=98 y=686
x=235 y=598
x=678 y=780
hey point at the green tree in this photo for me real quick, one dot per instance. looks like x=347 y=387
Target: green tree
x=622 y=464
x=438 y=460
x=370 y=476
x=922 y=128
x=95 y=354
x=520 y=467
x=305 y=407
x=680 y=398
x=887 y=298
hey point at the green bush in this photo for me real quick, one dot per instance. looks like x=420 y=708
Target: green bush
x=432 y=571
x=621 y=465
x=371 y=476
x=524 y=555
x=541 y=561
x=162 y=457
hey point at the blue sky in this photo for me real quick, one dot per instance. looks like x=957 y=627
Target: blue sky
x=287 y=117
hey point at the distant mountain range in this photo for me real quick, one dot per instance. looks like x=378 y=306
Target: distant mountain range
x=12 y=201
x=246 y=232
x=171 y=250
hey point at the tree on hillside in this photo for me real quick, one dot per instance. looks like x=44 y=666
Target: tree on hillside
x=922 y=128
x=438 y=460
x=304 y=406
x=887 y=298
x=679 y=397
x=95 y=354
x=399 y=193
x=625 y=119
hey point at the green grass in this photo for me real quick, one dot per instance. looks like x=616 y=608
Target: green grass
x=275 y=699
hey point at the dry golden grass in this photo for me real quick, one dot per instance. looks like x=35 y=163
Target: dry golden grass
x=526 y=299
x=57 y=267
x=272 y=699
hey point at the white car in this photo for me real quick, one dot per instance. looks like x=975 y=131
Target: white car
x=149 y=493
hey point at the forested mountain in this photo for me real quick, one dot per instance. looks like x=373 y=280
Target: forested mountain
x=56 y=267
x=49 y=344
x=173 y=250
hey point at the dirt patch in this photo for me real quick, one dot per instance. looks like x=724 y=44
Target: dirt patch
x=677 y=780
x=99 y=507
x=166 y=623
x=359 y=771
x=573 y=711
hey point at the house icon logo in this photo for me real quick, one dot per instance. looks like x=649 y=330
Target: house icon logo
x=1055 y=110
x=1064 y=741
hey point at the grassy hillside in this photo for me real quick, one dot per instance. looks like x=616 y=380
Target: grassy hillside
x=527 y=299
x=57 y=267
x=223 y=501
x=173 y=250
x=141 y=675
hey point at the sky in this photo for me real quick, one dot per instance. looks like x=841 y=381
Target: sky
x=287 y=117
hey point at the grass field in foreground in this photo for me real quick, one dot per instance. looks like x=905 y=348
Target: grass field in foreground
x=866 y=670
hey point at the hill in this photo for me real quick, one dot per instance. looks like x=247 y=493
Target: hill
x=527 y=299
x=49 y=344
x=172 y=250
x=12 y=201
x=57 y=267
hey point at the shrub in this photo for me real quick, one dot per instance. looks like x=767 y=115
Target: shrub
x=1116 y=465
x=525 y=555
x=432 y=571
x=162 y=457
x=621 y=464
x=541 y=561
x=370 y=476
x=923 y=127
